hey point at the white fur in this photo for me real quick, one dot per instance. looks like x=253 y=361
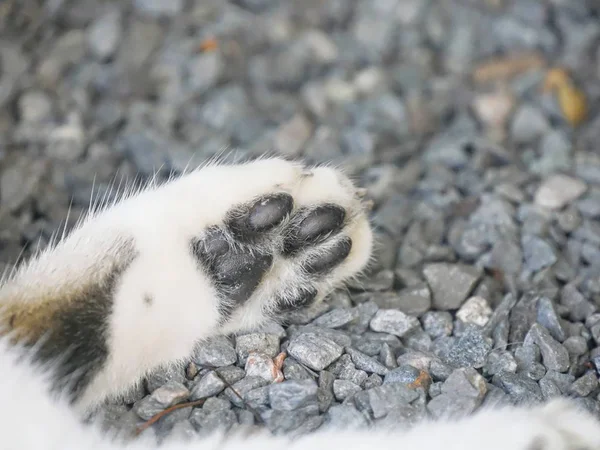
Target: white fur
x=161 y=221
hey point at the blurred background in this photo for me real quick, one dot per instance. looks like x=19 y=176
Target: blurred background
x=95 y=91
x=472 y=123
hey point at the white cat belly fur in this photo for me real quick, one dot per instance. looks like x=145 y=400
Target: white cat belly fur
x=32 y=419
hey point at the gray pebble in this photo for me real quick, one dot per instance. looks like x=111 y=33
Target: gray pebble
x=344 y=369
x=469 y=350
x=164 y=375
x=170 y=394
x=437 y=323
x=104 y=35
x=260 y=365
x=562 y=380
x=450 y=283
x=366 y=363
x=292 y=395
x=325 y=390
x=559 y=190
x=293 y=370
x=393 y=322
x=342 y=389
x=242 y=387
x=387 y=356
x=528 y=124
x=209 y=422
x=314 y=351
x=500 y=361
x=336 y=318
x=215 y=352
x=519 y=387
x=384 y=398
x=409 y=376
x=341 y=417
x=209 y=385
x=476 y=310
x=576 y=345
x=549 y=389
x=554 y=355
x=548 y=318
x=538 y=253
x=265 y=343
x=585 y=384
x=374 y=380
x=231 y=374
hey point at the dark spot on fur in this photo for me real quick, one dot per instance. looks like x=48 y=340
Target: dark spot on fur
x=148 y=300
x=76 y=340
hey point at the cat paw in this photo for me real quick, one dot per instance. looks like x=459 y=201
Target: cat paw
x=286 y=247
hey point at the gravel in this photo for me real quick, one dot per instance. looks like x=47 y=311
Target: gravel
x=484 y=287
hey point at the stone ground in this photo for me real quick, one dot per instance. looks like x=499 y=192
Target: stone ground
x=472 y=123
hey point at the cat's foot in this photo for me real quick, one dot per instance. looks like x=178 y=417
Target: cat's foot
x=218 y=250
x=286 y=247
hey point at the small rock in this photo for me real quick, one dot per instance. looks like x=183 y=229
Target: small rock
x=293 y=135
x=215 y=352
x=437 y=323
x=292 y=395
x=500 y=361
x=409 y=376
x=384 y=398
x=242 y=387
x=261 y=365
x=450 y=283
x=520 y=388
x=342 y=389
x=469 y=350
x=585 y=384
x=549 y=389
x=209 y=385
x=554 y=355
x=576 y=345
x=393 y=322
x=341 y=417
x=325 y=390
x=293 y=370
x=265 y=343
x=461 y=394
x=34 y=107
x=336 y=318
x=104 y=35
x=163 y=376
x=558 y=190
x=548 y=318
x=366 y=363
x=493 y=109
x=212 y=421
x=314 y=351
x=538 y=254
x=204 y=71
x=476 y=310
x=170 y=394
x=344 y=369
x=528 y=124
